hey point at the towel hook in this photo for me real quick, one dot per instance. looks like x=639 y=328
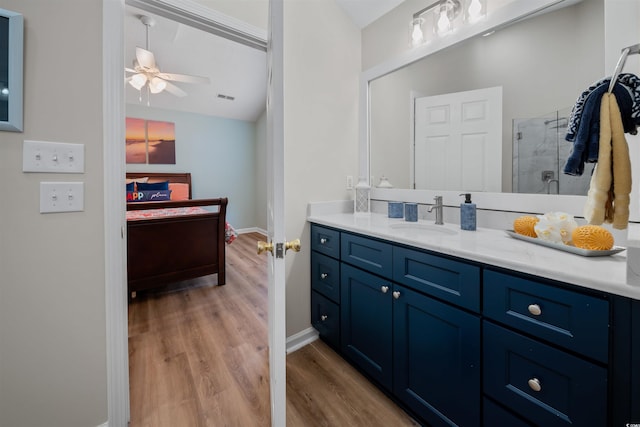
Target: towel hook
x=630 y=50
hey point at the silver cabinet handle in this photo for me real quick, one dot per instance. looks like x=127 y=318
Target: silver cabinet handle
x=534 y=384
x=535 y=309
x=323 y=241
x=384 y=289
x=324 y=276
x=324 y=317
x=396 y=294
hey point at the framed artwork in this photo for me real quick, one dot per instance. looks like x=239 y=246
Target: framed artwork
x=11 y=59
x=150 y=142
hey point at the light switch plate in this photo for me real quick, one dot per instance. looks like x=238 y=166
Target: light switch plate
x=61 y=197
x=53 y=157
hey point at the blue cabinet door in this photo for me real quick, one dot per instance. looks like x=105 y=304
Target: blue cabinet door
x=436 y=359
x=365 y=318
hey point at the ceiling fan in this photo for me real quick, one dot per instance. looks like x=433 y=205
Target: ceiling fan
x=147 y=73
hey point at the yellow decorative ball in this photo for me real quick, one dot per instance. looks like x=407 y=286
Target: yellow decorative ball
x=592 y=237
x=524 y=225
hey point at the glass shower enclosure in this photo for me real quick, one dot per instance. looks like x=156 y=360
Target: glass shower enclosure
x=539 y=154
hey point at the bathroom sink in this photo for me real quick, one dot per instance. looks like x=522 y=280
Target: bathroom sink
x=419 y=228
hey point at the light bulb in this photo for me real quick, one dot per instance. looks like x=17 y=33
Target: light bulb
x=157 y=85
x=416 y=35
x=138 y=81
x=443 y=22
x=475 y=8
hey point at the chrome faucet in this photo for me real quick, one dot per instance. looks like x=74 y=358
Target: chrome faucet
x=549 y=181
x=438 y=207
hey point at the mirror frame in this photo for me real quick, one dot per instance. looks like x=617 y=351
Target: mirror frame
x=14 y=53
x=507 y=15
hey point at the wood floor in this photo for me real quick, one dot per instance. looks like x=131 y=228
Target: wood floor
x=198 y=356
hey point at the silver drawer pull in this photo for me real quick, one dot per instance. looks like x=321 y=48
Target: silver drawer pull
x=384 y=289
x=535 y=309
x=324 y=317
x=324 y=276
x=534 y=384
x=396 y=294
x=323 y=241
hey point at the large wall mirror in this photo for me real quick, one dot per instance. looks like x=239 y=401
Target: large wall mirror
x=11 y=60
x=541 y=64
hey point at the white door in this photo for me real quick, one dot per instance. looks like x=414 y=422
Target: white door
x=458 y=141
x=275 y=215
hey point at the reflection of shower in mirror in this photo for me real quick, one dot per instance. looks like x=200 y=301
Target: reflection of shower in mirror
x=539 y=154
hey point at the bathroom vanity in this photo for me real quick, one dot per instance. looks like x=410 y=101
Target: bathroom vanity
x=474 y=328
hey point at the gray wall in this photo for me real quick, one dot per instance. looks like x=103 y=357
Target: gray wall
x=52 y=290
x=221 y=155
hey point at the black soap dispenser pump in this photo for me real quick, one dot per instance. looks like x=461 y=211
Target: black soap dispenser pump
x=467 y=213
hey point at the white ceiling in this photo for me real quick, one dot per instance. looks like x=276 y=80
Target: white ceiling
x=234 y=69
x=364 y=12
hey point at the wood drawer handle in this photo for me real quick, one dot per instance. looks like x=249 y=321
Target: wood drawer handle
x=534 y=384
x=323 y=241
x=324 y=317
x=535 y=309
x=324 y=276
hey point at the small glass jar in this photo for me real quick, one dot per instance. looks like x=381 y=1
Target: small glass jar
x=361 y=198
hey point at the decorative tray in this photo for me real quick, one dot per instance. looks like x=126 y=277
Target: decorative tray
x=565 y=248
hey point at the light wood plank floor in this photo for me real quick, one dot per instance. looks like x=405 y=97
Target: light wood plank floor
x=198 y=356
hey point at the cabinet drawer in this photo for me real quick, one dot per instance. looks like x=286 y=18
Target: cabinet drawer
x=450 y=280
x=325 y=317
x=325 y=240
x=368 y=254
x=571 y=390
x=325 y=276
x=572 y=320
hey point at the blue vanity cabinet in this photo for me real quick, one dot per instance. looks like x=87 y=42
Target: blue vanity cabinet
x=546 y=350
x=436 y=359
x=325 y=283
x=366 y=316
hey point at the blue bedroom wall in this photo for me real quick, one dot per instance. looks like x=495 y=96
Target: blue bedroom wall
x=220 y=153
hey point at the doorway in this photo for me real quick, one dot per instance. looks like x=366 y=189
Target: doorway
x=115 y=243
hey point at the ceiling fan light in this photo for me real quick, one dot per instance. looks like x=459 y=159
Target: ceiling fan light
x=138 y=81
x=157 y=85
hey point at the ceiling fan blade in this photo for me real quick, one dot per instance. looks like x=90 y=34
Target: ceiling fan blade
x=130 y=70
x=184 y=78
x=145 y=59
x=175 y=90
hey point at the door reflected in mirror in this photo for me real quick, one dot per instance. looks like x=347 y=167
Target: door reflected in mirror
x=542 y=65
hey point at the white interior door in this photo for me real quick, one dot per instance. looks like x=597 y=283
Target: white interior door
x=458 y=141
x=275 y=214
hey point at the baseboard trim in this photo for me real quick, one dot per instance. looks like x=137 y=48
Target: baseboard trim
x=251 y=230
x=302 y=338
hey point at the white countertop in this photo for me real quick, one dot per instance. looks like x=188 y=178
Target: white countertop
x=495 y=247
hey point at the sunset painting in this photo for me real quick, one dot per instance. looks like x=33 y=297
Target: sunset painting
x=150 y=142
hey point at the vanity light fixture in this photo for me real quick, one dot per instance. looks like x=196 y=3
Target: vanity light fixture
x=443 y=19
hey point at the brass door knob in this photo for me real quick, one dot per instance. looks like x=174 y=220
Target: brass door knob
x=293 y=245
x=264 y=246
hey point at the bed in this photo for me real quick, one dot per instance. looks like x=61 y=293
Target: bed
x=173 y=240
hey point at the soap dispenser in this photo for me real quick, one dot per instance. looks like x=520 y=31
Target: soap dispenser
x=467 y=213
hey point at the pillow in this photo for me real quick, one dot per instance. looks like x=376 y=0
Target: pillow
x=130 y=186
x=148 y=196
x=179 y=191
x=148 y=186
